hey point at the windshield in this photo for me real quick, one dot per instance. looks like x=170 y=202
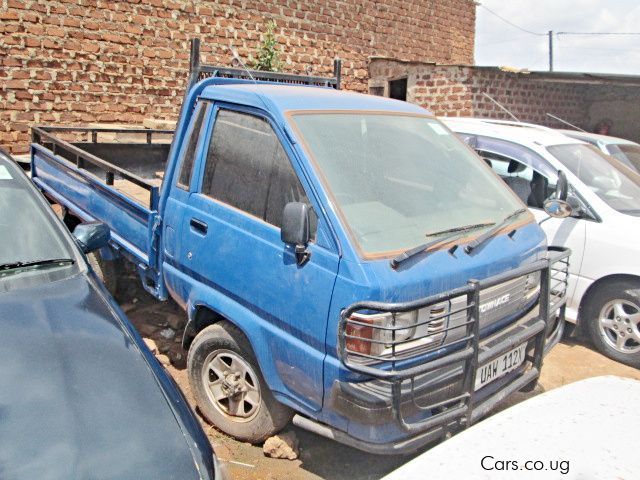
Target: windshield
x=614 y=183
x=628 y=154
x=398 y=178
x=27 y=232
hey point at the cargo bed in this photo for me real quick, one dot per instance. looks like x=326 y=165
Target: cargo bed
x=98 y=170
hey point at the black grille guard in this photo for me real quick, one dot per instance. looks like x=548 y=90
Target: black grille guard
x=541 y=333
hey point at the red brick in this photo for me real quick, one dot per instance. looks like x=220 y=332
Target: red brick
x=16 y=84
x=9 y=15
x=51 y=44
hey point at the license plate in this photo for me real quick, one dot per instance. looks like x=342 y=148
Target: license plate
x=500 y=366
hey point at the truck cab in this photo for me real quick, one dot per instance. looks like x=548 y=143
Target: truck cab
x=344 y=260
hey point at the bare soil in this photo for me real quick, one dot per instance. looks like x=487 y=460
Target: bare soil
x=570 y=361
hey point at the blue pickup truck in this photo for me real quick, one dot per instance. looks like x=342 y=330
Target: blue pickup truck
x=344 y=260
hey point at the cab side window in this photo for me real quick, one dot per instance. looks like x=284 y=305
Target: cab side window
x=248 y=168
x=284 y=187
x=194 y=133
x=531 y=186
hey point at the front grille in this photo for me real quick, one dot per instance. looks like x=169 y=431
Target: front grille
x=500 y=301
x=438 y=324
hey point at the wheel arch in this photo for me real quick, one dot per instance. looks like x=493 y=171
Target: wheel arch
x=599 y=283
x=201 y=316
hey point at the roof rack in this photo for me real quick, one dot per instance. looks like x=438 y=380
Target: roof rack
x=198 y=71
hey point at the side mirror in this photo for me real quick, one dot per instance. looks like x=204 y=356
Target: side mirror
x=92 y=236
x=295 y=229
x=557 y=208
x=576 y=206
x=562 y=187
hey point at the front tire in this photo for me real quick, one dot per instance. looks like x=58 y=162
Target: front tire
x=612 y=320
x=229 y=388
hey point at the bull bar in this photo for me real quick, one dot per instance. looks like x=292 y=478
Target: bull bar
x=540 y=333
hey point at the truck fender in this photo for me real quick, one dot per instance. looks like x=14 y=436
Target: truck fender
x=200 y=316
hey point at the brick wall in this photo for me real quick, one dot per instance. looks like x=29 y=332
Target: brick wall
x=618 y=103
x=458 y=91
x=442 y=90
x=528 y=99
x=83 y=61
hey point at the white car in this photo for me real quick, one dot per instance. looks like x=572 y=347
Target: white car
x=575 y=432
x=626 y=151
x=602 y=231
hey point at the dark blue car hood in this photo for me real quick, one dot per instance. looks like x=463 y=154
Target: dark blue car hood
x=78 y=399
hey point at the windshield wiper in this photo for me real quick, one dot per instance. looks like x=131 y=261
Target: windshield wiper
x=34 y=263
x=450 y=233
x=490 y=233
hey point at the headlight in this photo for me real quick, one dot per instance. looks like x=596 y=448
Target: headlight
x=375 y=339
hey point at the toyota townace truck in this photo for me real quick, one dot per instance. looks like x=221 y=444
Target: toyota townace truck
x=343 y=259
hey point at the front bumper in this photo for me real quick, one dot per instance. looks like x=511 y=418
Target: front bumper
x=432 y=400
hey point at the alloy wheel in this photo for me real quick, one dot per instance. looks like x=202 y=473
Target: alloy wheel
x=619 y=325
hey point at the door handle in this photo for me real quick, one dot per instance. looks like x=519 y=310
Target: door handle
x=199 y=226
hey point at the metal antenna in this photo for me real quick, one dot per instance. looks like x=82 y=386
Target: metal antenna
x=501 y=106
x=237 y=58
x=565 y=122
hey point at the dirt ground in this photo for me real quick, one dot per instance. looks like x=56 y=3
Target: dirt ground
x=570 y=361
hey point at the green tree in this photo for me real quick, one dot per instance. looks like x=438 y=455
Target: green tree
x=268 y=57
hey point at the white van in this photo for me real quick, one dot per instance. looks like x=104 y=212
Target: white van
x=602 y=231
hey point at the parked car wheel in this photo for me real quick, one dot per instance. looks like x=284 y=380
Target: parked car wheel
x=105 y=270
x=612 y=319
x=229 y=388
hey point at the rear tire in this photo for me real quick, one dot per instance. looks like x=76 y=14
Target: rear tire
x=105 y=270
x=612 y=320
x=229 y=388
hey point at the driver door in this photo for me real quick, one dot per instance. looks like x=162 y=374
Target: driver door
x=230 y=241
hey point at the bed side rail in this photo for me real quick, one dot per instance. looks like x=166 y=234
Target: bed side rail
x=48 y=137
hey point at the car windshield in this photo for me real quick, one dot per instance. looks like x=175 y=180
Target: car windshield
x=628 y=154
x=397 y=178
x=614 y=183
x=27 y=231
